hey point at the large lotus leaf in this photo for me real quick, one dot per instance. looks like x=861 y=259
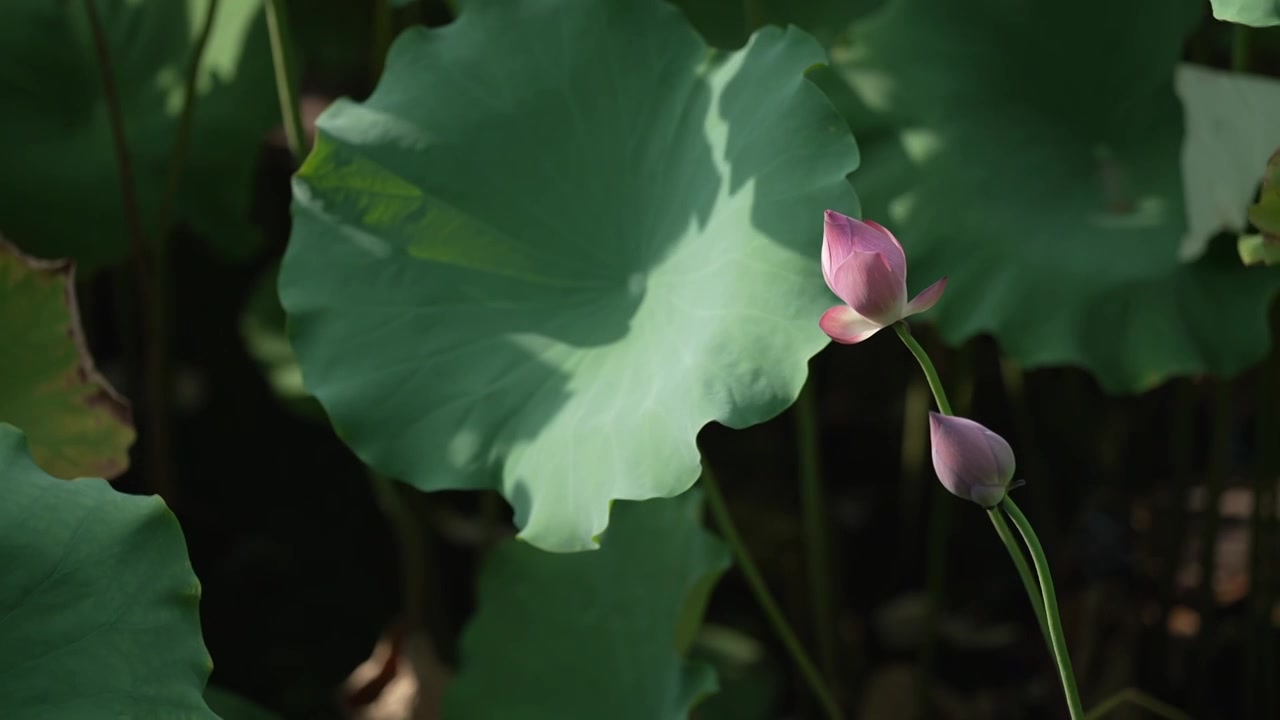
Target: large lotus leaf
x=1232 y=127
x=98 y=603
x=558 y=239
x=1259 y=13
x=59 y=182
x=1044 y=181
x=593 y=635
x=77 y=424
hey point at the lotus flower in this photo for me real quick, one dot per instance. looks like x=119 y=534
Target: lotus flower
x=971 y=461
x=865 y=266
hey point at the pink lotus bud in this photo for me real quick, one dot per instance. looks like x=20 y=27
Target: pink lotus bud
x=865 y=266
x=971 y=461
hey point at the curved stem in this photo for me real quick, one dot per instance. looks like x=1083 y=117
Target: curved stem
x=149 y=286
x=286 y=88
x=930 y=373
x=178 y=159
x=715 y=500
x=813 y=508
x=1024 y=571
x=1056 y=636
x=1139 y=698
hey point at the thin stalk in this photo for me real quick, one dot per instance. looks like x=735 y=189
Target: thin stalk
x=715 y=501
x=941 y=510
x=1240 y=47
x=147 y=285
x=396 y=505
x=1024 y=571
x=813 y=510
x=1134 y=696
x=930 y=373
x=1056 y=637
x=286 y=85
x=181 y=143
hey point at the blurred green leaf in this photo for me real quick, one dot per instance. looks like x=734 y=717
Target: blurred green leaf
x=750 y=683
x=1258 y=250
x=1232 y=125
x=77 y=424
x=558 y=240
x=1258 y=13
x=262 y=326
x=59 y=186
x=98 y=600
x=1043 y=179
x=591 y=635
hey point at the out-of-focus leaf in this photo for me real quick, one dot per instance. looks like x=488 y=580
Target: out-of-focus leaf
x=1258 y=13
x=750 y=685
x=1044 y=181
x=592 y=635
x=77 y=425
x=1232 y=125
x=1258 y=250
x=59 y=182
x=262 y=326
x=554 y=307
x=98 y=600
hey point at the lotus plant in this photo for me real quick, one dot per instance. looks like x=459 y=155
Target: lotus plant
x=865 y=265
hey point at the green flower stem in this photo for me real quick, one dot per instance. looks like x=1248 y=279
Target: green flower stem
x=813 y=508
x=715 y=501
x=930 y=373
x=286 y=85
x=1136 y=697
x=940 y=508
x=1056 y=637
x=1024 y=571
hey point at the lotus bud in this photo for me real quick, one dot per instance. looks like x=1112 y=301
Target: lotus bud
x=865 y=266
x=971 y=461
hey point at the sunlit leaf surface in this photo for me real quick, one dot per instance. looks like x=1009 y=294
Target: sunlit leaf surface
x=554 y=306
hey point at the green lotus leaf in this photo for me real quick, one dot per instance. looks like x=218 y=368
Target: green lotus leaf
x=559 y=239
x=98 y=603
x=1231 y=130
x=77 y=424
x=1258 y=13
x=1044 y=181
x=593 y=635
x=59 y=183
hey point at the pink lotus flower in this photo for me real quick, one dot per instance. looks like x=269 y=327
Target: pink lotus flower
x=865 y=266
x=971 y=461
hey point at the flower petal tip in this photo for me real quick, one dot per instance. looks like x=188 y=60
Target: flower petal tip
x=844 y=325
x=927 y=298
